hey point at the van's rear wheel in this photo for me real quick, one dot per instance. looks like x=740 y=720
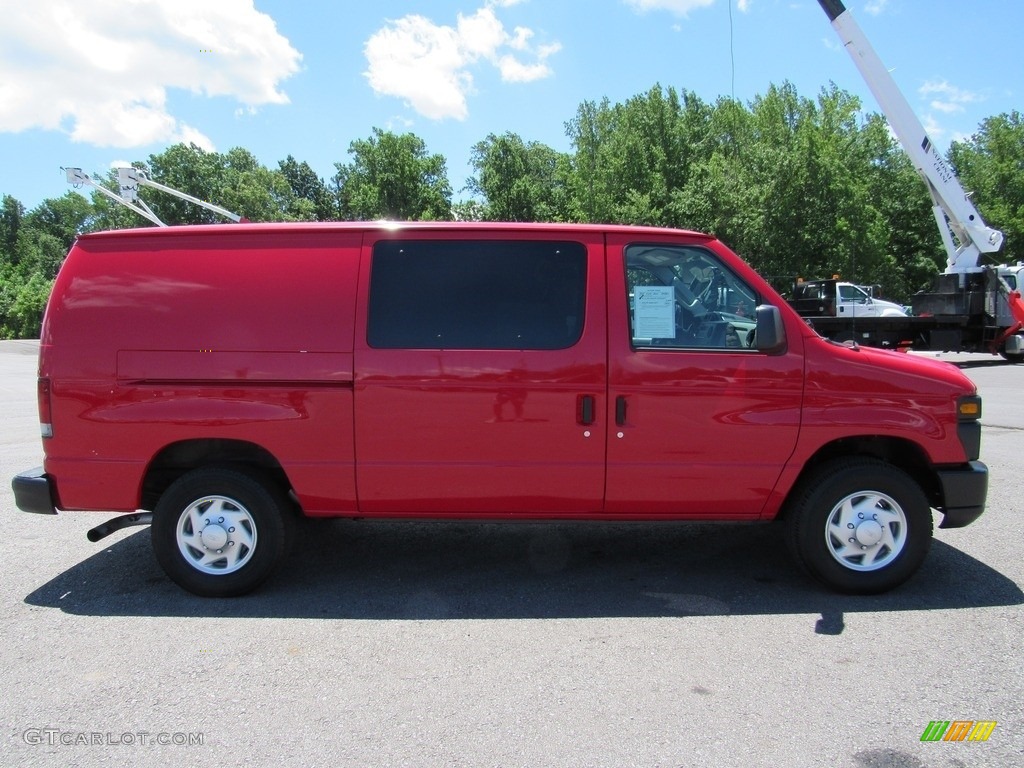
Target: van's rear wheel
x=220 y=532
x=860 y=525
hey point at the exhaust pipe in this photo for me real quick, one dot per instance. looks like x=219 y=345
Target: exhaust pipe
x=119 y=522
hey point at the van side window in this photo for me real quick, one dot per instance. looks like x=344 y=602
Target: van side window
x=684 y=297
x=476 y=294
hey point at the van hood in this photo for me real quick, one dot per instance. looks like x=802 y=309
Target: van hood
x=881 y=370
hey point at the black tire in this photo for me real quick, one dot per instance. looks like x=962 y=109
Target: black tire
x=220 y=532
x=883 y=517
x=1010 y=358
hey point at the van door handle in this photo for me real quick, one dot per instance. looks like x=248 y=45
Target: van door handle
x=620 y=411
x=585 y=410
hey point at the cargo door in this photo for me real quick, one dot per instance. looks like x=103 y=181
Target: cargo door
x=701 y=423
x=480 y=374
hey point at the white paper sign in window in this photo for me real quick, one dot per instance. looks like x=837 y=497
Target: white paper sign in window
x=654 y=315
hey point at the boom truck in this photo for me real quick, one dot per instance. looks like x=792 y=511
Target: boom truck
x=971 y=307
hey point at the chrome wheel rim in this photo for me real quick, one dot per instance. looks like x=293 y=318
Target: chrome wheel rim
x=216 y=535
x=866 y=531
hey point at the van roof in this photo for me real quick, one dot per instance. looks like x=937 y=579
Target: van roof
x=391 y=226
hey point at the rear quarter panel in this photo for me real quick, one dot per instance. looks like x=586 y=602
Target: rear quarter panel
x=155 y=337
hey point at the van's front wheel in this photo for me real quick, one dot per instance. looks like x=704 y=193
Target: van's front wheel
x=860 y=525
x=220 y=532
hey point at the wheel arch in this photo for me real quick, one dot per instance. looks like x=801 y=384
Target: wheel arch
x=179 y=458
x=901 y=453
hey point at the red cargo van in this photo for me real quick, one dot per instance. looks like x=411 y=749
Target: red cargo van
x=216 y=380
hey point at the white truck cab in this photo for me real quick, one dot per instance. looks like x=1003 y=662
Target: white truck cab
x=854 y=301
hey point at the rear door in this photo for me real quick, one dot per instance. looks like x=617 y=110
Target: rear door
x=701 y=422
x=480 y=374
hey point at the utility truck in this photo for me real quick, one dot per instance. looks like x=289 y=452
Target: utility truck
x=971 y=307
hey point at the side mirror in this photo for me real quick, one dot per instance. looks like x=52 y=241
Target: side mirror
x=771 y=333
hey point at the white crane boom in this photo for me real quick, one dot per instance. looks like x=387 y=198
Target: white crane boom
x=954 y=212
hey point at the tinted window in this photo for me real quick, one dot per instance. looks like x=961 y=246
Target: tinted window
x=476 y=294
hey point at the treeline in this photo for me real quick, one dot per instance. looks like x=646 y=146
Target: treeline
x=798 y=186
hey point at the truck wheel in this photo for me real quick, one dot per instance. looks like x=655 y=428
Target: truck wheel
x=220 y=532
x=861 y=526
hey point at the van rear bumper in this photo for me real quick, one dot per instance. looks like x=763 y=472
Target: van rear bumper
x=964 y=491
x=33 y=492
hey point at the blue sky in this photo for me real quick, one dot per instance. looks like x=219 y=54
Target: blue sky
x=94 y=83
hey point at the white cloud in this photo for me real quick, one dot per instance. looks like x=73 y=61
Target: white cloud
x=947 y=98
x=419 y=61
x=399 y=123
x=875 y=7
x=514 y=71
x=931 y=127
x=681 y=7
x=521 y=40
x=940 y=134
x=100 y=70
x=430 y=65
x=678 y=7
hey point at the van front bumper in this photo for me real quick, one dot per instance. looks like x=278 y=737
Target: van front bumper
x=33 y=492
x=964 y=491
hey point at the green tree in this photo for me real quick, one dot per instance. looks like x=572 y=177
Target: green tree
x=311 y=200
x=812 y=175
x=991 y=165
x=32 y=248
x=519 y=181
x=26 y=309
x=12 y=213
x=252 y=190
x=633 y=159
x=914 y=252
x=62 y=217
x=469 y=210
x=796 y=185
x=723 y=190
x=234 y=180
x=392 y=176
x=590 y=132
x=189 y=169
